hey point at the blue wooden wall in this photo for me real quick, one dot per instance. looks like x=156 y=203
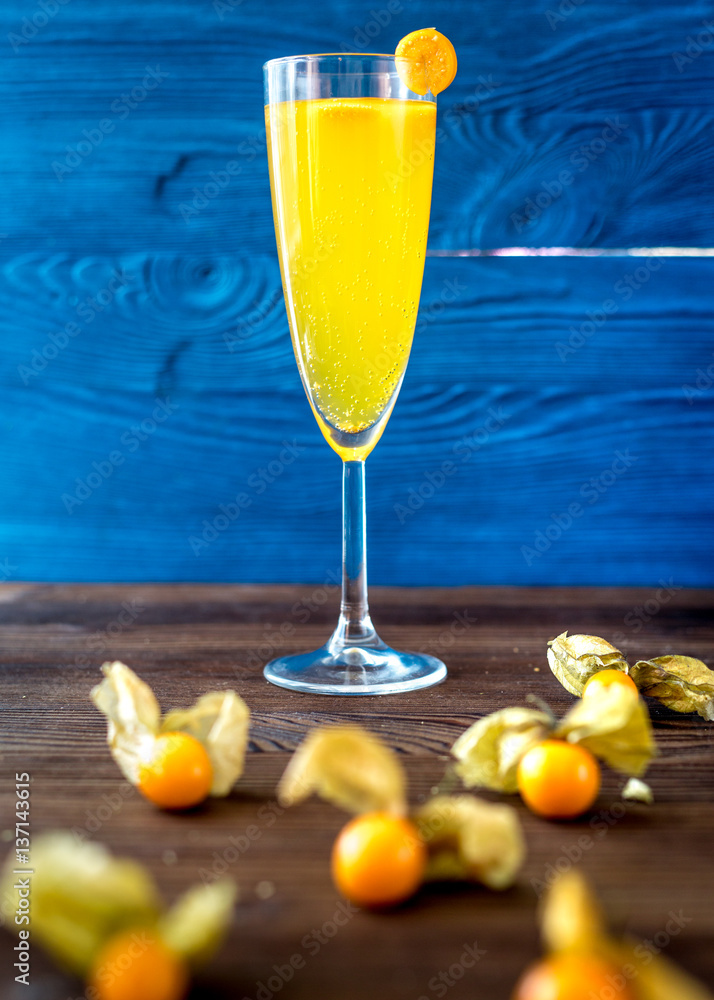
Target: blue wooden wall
x=555 y=425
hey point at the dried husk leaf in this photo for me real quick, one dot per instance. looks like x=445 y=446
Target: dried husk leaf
x=81 y=895
x=470 y=839
x=614 y=725
x=574 y=659
x=656 y=977
x=195 y=925
x=489 y=751
x=682 y=683
x=219 y=720
x=571 y=918
x=134 y=717
x=638 y=791
x=347 y=766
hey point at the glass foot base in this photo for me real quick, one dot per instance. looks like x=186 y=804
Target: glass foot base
x=355 y=670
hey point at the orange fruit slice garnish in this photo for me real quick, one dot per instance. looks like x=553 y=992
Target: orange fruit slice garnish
x=426 y=61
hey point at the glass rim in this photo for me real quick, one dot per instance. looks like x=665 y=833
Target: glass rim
x=331 y=55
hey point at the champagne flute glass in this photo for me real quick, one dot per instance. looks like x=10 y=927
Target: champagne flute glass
x=351 y=156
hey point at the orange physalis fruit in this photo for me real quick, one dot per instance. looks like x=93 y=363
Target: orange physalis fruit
x=571 y=976
x=604 y=679
x=426 y=61
x=378 y=859
x=558 y=780
x=137 y=965
x=179 y=773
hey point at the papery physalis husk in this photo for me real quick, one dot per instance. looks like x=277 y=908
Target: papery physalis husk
x=614 y=724
x=489 y=751
x=347 y=766
x=571 y=920
x=682 y=683
x=468 y=838
x=656 y=977
x=196 y=923
x=219 y=720
x=82 y=896
x=638 y=791
x=134 y=717
x=574 y=659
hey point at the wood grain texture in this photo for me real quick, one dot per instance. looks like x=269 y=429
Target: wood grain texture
x=494 y=387
x=181 y=301
x=189 y=638
x=530 y=92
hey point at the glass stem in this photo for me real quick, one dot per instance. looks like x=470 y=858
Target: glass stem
x=355 y=626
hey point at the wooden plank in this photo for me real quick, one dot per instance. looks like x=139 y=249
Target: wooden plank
x=550 y=89
x=169 y=323
x=231 y=631
x=147 y=520
x=506 y=179
x=650 y=860
x=512 y=383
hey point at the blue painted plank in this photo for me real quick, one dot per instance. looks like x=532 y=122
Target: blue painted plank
x=138 y=275
x=525 y=432
x=550 y=89
x=148 y=323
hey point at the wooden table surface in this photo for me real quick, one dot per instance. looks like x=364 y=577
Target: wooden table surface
x=186 y=639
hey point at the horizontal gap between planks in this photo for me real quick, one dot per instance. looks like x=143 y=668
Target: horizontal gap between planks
x=577 y=252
